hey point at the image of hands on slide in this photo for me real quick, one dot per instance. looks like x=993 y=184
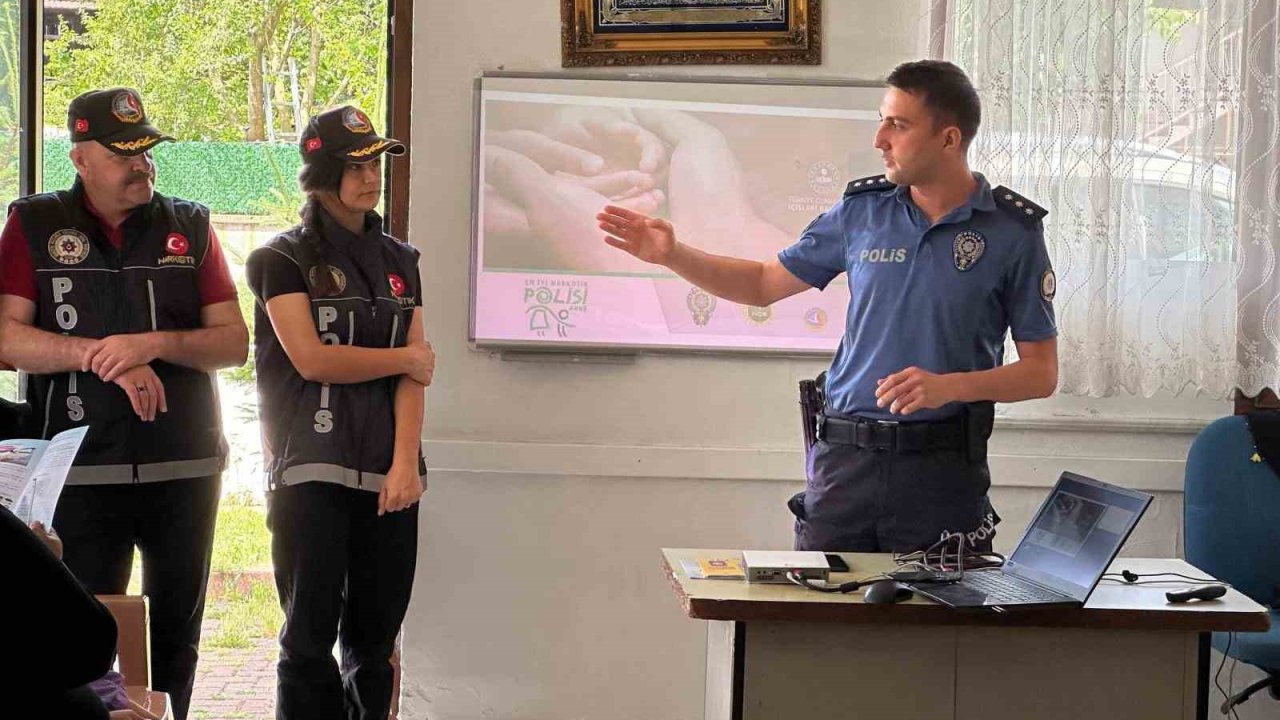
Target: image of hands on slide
x=731 y=182
x=732 y=179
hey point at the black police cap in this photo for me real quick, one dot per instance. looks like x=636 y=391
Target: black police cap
x=115 y=118
x=346 y=133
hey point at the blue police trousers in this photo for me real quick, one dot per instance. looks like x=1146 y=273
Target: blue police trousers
x=868 y=500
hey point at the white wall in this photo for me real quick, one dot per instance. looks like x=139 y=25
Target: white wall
x=554 y=484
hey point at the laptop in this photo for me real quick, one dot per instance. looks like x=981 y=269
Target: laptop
x=1073 y=539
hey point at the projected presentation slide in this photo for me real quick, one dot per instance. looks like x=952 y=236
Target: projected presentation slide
x=739 y=170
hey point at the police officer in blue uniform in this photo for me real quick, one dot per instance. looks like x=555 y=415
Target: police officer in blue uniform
x=940 y=265
x=342 y=363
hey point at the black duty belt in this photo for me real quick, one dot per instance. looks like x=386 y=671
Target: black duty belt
x=885 y=435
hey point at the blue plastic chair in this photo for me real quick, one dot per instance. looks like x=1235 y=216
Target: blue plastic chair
x=1231 y=523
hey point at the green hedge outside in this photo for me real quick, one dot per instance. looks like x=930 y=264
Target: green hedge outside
x=231 y=178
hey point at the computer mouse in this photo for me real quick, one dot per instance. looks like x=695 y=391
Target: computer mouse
x=886 y=592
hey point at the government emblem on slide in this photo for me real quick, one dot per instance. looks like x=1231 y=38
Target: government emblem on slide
x=701 y=304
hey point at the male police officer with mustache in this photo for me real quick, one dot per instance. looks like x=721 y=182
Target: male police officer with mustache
x=117 y=303
x=940 y=267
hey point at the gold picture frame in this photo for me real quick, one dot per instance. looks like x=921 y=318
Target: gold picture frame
x=598 y=33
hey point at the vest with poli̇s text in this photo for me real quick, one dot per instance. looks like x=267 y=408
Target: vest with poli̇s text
x=88 y=288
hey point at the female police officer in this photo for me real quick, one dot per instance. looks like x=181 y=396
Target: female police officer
x=342 y=363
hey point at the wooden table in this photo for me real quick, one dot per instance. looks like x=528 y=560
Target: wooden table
x=781 y=651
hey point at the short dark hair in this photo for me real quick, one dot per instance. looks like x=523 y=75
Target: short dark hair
x=946 y=92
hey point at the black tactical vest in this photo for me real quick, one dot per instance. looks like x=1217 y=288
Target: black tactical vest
x=87 y=288
x=321 y=432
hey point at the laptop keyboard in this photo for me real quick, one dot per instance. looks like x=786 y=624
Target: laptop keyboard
x=1001 y=587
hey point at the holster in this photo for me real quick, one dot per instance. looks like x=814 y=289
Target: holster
x=812 y=402
x=979 y=419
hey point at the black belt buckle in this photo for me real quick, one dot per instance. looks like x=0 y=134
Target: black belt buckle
x=892 y=432
x=820 y=426
x=878 y=435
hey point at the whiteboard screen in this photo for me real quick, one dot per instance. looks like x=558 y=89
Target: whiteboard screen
x=739 y=169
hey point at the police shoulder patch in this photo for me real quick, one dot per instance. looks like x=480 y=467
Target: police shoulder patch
x=1018 y=206
x=1048 y=285
x=867 y=184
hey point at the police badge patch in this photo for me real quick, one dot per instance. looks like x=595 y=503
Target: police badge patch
x=69 y=247
x=339 y=278
x=969 y=247
x=126 y=107
x=1048 y=285
x=356 y=121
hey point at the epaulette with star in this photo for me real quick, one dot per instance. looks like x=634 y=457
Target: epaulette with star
x=1018 y=206
x=875 y=182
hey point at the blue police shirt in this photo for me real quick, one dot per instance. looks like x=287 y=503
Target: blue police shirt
x=940 y=297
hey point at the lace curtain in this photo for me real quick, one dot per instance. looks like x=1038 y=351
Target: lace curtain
x=1149 y=129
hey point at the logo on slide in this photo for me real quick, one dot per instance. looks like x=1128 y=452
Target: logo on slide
x=824 y=177
x=551 y=305
x=815 y=318
x=701 y=306
x=758 y=315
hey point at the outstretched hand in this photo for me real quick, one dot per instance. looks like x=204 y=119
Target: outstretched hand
x=647 y=238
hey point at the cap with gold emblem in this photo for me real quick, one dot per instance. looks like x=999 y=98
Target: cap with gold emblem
x=115 y=119
x=347 y=133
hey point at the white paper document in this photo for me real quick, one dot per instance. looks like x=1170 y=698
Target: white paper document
x=32 y=473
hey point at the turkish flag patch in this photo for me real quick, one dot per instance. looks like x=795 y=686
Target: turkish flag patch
x=176 y=244
x=397 y=284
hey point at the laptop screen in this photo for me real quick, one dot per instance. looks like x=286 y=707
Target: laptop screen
x=1077 y=533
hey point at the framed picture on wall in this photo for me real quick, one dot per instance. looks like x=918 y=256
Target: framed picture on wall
x=690 y=32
